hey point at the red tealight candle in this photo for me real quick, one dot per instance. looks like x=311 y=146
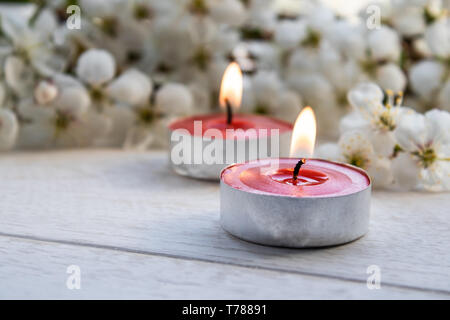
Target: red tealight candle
x=201 y=146
x=296 y=202
x=317 y=178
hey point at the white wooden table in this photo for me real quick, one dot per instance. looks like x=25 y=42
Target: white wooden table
x=136 y=230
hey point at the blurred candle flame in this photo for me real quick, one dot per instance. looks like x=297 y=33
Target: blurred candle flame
x=304 y=134
x=231 y=87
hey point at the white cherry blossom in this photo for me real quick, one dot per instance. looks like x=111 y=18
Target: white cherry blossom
x=368 y=99
x=426 y=141
x=356 y=148
x=135 y=65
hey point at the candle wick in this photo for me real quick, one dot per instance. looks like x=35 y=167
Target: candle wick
x=229 y=112
x=297 y=168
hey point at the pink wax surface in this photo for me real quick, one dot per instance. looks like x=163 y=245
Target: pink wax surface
x=240 y=121
x=317 y=178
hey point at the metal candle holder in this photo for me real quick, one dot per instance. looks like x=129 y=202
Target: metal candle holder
x=297 y=222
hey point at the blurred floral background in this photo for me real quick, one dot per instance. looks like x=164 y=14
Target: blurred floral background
x=379 y=84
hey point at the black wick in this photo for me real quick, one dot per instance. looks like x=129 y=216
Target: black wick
x=229 y=112
x=297 y=168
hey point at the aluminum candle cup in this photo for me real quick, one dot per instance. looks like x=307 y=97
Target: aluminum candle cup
x=201 y=146
x=328 y=204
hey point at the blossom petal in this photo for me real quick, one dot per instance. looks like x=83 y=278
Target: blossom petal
x=406 y=172
x=438 y=125
x=9 y=128
x=364 y=95
x=96 y=67
x=175 y=99
x=74 y=100
x=391 y=77
x=437 y=36
x=384 y=44
x=132 y=87
x=425 y=78
x=411 y=131
x=18 y=76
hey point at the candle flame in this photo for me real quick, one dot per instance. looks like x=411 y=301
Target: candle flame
x=304 y=134
x=231 y=87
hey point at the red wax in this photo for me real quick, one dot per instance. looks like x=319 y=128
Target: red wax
x=317 y=178
x=240 y=121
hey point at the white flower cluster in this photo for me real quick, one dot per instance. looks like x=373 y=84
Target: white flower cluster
x=136 y=64
x=399 y=147
x=424 y=29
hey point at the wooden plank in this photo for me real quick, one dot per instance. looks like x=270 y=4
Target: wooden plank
x=38 y=270
x=133 y=201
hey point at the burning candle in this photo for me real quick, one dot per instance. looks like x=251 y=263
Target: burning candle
x=201 y=146
x=297 y=201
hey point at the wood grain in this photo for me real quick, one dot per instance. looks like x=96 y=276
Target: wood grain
x=36 y=269
x=133 y=202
